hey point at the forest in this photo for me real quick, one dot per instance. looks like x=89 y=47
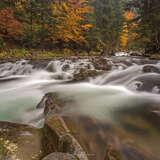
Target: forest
x=103 y=26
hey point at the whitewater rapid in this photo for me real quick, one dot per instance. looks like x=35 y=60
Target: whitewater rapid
x=22 y=87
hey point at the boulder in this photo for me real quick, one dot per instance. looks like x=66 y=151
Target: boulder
x=18 y=141
x=83 y=74
x=51 y=67
x=51 y=103
x=147 y=82
x=101 y=63
x=135 y=53
x=90 y=134
x=150 y=68
x=56 y=130
x=60 y=156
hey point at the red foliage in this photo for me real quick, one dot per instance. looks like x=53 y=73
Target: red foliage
x=10 y=27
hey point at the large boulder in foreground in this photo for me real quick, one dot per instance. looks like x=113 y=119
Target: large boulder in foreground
x=55 y=130
x=19 y=142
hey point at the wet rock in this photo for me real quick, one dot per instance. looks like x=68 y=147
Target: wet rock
x=39 y=64
x=147 y=82
x=93 y=136
x=150 y=68
x=51 y=104
x=66 y=67
x=112 y=153
x=60 y=156
x=83 y=74
x=120 y=151
x=101 y=64
x=56 y=135
x=135 y=53
x=18 y=141
x=56 y=130
x=51 y=67
x=155 y=56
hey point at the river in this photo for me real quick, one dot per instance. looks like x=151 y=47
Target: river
x=125 y=95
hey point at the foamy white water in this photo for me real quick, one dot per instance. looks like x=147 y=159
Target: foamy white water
x=20 y=91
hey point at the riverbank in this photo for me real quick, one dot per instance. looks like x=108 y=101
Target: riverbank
x=17 y=54
x=13 y=55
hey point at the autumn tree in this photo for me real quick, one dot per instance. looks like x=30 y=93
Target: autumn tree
x=127 y=36
x=36 y=16
x=71 y=21
x=10 y=27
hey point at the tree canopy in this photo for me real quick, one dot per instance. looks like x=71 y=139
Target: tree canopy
x=102 y=25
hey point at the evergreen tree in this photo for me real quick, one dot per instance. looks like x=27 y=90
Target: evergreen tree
x=108 y=22
x=148 y=20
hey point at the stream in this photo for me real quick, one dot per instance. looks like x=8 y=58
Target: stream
x=126 y=95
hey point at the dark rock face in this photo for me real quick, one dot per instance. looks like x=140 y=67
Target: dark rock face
x=60 y=156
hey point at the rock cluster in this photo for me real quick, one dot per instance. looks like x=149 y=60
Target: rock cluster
x=92 y=135
x=58 y=139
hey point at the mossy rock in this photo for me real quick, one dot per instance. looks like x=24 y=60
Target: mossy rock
x=18 y=141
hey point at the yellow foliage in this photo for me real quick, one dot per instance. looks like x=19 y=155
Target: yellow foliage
x=126 y=35
x=19 y=6
x=71 y=17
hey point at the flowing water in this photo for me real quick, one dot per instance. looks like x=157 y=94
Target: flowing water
x=126 y=95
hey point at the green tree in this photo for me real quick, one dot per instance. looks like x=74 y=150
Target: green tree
x=108 y=23
x=148 y=20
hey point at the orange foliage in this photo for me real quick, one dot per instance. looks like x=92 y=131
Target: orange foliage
x=125 y=34
x=9 y=26
x=128 y=15
x=71 y=19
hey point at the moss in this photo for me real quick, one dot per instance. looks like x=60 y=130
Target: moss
x=7 y=149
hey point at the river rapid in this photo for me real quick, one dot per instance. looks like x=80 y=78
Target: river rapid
x=127 y=94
